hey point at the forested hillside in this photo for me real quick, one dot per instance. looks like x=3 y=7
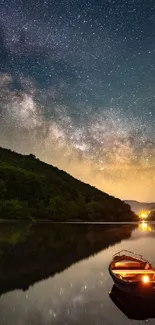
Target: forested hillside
x=31 y=189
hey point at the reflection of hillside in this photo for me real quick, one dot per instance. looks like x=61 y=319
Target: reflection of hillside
x=31 y=253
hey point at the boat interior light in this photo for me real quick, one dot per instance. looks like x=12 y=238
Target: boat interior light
x=146 y=279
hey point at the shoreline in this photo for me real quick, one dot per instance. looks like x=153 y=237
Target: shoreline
x=75 y=222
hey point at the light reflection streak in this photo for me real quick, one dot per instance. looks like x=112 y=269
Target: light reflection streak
x=145 y=227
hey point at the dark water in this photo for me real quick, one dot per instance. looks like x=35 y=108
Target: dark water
x=58 y=274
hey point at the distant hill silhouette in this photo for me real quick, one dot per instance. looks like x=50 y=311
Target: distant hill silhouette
x=138 y=206
x=31 y=189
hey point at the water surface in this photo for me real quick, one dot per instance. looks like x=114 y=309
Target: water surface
x=58 y=274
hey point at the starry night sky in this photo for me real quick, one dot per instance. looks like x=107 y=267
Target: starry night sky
x=77 y=88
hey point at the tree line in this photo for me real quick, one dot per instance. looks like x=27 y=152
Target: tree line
x=31 y=189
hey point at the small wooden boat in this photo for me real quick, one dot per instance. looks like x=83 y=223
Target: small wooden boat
x=132 y=273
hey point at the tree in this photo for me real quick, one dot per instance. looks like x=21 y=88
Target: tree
x=95 y=210
x=57 y=207
x=13 y=209
x=31 y=155
x=3 y=189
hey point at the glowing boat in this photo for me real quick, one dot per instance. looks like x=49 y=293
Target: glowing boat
x=131 y=273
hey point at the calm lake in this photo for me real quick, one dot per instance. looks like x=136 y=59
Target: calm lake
x=58 y=274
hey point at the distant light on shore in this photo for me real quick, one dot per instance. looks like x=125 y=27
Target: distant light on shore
x=144 y=214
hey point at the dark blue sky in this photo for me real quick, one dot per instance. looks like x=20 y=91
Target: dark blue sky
x=77 y=87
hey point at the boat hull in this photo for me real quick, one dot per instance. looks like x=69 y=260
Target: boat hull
x=132 y=264
x=136 y=288
x=124 y=286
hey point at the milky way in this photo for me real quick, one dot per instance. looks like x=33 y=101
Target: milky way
x=77 y=88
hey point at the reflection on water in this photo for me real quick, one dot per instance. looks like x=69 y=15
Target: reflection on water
x=132 y=307
x=32 y=253
x=58 y=274
x=144 y=226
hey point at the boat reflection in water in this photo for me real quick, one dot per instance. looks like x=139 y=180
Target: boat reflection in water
x=132 y=307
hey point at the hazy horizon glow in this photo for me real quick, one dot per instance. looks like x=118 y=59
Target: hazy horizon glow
x=77 y=89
